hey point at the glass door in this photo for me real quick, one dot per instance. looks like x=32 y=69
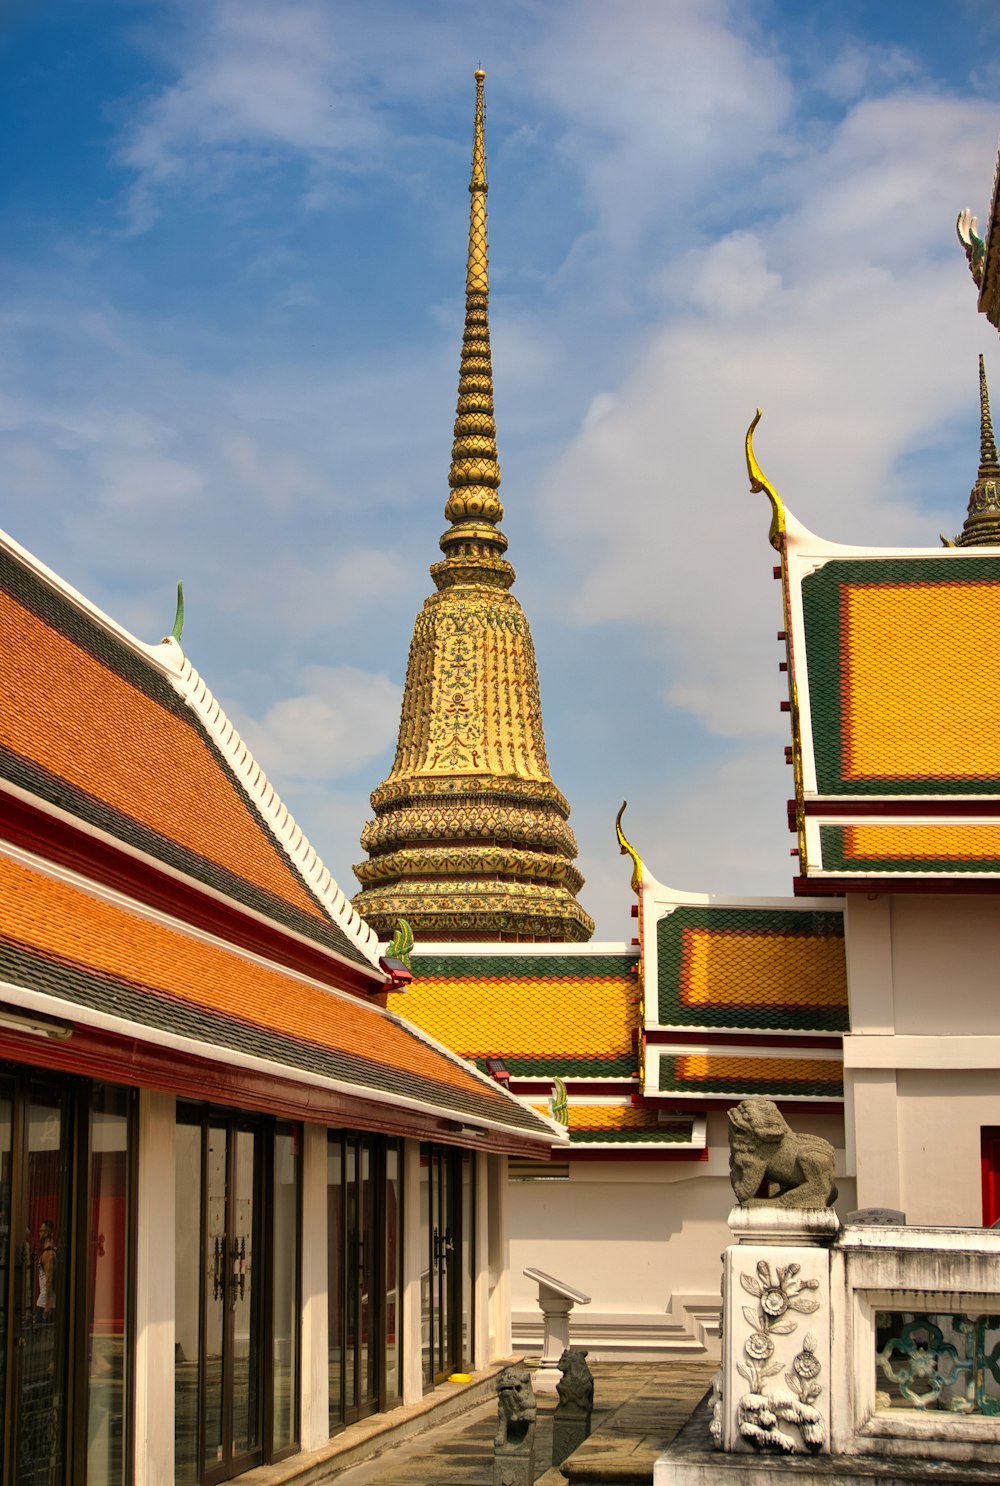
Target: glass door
x=361 y=1245
x=218 y=1393
x=447 y=1221
x=364 y=1258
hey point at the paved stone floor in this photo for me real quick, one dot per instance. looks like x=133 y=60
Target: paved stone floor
x=638 y=1408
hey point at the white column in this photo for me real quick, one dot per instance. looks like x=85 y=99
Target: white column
x=876 y=1118
x=500 y=1342
x=315 y=1423
x=414 y=1260
x=481 y=1340
x=154 y=1291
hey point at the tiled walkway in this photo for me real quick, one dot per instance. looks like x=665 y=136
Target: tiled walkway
x=638 y=1408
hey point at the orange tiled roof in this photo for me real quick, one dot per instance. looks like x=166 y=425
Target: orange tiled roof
x=61 y=939
x=90 y=724
x=566 y=1014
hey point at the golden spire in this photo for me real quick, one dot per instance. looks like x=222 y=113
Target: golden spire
x=470 y=838
x=473 y=508
x=982 y=524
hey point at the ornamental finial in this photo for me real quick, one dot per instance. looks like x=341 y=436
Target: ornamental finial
x=472 y=545
x=982 y=524
x=759 y=481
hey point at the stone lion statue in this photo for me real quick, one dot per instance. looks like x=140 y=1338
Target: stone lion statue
x=516 y=1410
x=576 y=1386
x=798 y=1169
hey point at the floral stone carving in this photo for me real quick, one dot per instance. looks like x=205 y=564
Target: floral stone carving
x=779 y=1294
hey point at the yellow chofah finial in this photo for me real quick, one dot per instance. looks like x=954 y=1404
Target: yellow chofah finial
x=759 y=481
x=628 y=850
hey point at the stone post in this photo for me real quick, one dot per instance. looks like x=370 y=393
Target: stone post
x=776 y=1357
x=571 y=1420
x=514 y=1445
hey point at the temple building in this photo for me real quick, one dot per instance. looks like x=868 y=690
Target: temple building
x=242 y=1205
x=636 y=1048
x=844 y=1003
x=470 y=839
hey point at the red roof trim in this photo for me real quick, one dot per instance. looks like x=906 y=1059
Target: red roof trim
x=92 y=1053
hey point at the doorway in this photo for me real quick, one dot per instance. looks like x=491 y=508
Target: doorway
x=364 y=1258
x=218 y=1364
x=447 y=1209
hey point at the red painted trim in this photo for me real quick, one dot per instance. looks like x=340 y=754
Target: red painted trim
x=715 y=1038
x=829 y=887
x=699 y=1104
x=91 y=1053
x=902 y=805
x=64 y=844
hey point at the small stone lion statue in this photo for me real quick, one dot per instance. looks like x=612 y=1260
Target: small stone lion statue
x=798 y=1168
x=516 y=1410
x=576 y=1386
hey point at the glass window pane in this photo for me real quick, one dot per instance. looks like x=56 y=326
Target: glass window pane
x=216 y=1259
x=245 y=1275
x=393 y=1275
x=187 y=1267
x=46 y=1265
x=335 y=1275
x=468 y=1269
x=285 y=1358
x=426 y=1269
x=107 y=1301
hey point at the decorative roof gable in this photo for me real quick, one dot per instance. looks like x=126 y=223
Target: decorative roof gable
x=894 y=699
x=127 y=741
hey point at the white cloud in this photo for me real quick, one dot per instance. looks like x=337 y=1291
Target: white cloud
x=342 y=719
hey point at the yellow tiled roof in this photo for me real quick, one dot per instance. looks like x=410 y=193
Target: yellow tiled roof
x=516 y=1007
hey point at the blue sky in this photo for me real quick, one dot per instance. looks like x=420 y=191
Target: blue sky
x=230 y=314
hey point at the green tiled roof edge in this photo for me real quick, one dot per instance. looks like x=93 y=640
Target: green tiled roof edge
x=498 y=966
x=556 y=1066
x=630 y=1137
x=806 y=924
x=821 y=607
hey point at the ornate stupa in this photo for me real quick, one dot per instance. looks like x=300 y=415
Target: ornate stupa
x=470 y=838
x=982 y=524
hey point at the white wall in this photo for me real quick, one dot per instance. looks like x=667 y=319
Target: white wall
x=924 y=984
x=644 y=1239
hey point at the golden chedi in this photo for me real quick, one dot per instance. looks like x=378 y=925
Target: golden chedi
x=470 y=838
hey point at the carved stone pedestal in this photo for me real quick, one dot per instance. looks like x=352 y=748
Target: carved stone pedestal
x=775 y=1381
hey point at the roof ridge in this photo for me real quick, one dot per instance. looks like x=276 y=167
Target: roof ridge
x=168 y=657
x=275 y=813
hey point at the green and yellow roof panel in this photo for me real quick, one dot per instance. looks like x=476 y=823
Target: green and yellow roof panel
x=894 y=698
x=618 y=1123
x=732 y=1073
x=545 y=1011
x=765 y=965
